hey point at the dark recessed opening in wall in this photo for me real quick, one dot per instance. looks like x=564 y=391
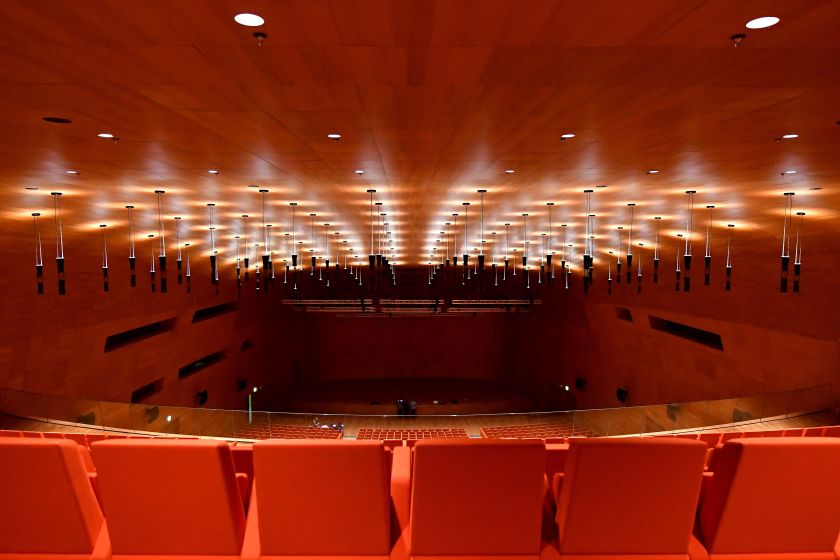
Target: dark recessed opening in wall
x=246 y=344
x=706 y=338
x=201 y=397
x=206 y=313
x=624 y=314
x=241 y=384
x=131 y=336
x=142 y=393
x=200 y=364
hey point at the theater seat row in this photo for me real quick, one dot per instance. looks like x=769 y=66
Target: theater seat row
x=634 y=498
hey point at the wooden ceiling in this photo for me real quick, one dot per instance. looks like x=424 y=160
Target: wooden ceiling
x=434 y=100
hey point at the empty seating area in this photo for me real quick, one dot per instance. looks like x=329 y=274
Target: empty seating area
x=769 y=497
x=413 y=434
x=282 y=431
x=535 y=431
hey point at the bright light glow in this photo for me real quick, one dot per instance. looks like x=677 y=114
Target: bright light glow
x=213 y=171
x=72 y=172
x=509 y=171
x=255 y=390
x=360 y=172
x=790 y=136
x=566 y=388
x=248 y=20
x=105 y=135
x=653 y=172
x=334 y=136
x=567 y=135
x=762 y=22
x=169 y=418
x=790 y=172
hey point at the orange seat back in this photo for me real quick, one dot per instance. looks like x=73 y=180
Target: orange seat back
x=11 y=433
x=47 y=505
x=630 y=496
x=773 y=495
x=169 y=497
x=322 y=497
x=832 y=431
x=479 y=497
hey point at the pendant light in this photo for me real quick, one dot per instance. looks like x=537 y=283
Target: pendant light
x=238 y=263
x=797 y=252
x=39 y=254
x=152 y=261
x=131 y=258
x=289 y=250
x=507 y=252
x=327 y=253
x=213 y=274
x=481 y=193
x=679 y=243
x=689 y=230
x=658 y=220
x=563 y=261
x=266 y=256
x=102 y=228
x=313 y=259
x=178 y=244
x=631 y=206
x=455 y=240
x=609 y=274
x=525 y=241
x=294 y=245
x=493 y=260
x=162 y=237
x=59 y=243
x=549 y=254
x=188 y=274
x=729 y=242
x=466 y=255
x=708 y=257
x=618 y=257
x=446 y=237
x=371 y=255
x=269 y=273
x=786 y=231
x=639 y=274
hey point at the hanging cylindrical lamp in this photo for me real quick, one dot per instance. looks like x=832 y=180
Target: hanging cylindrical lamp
x=609 y=274
x=188 y=273
x=104 y=258
x=337 y=252
x=266 y=256
x=563 y=228
x=481 y=193
x=466 y=254
x=132 y=264
x=618 y=257
x=162 y=237
x=786 y=233
x=327 y=253
x=213 y=274
x=286 y=261
x=569 y=267
x=39 y=254
x=270 y=271
x=378 y=208
x=631 y=206
x=708 y=257
x=658 y=220
x=639 y=273
x=246 y=247
x=678 y=271
x=507 y=252
x=238 y=263
x=294 y=245
x=312 y=258
x=525 y=241
x=729 y=256
x=152 y=260
x=549 y=254
x=541 y=269
x=59 y=243
x=493 y=260
x=455 y=240
x=371 y=255
x=689 y=230
x=797 y=252
x=178 y=244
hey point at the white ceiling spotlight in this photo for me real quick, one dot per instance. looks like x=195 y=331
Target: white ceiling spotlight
x=567 y=136
x=213 y=171
x=652 y=171
x=72 y=172
x=248 y=20
x=360 y=172
x=762 y=22
x=509 y=171
x=790 y=136
x=789 y=172
x=335 y=137
x=105 y=135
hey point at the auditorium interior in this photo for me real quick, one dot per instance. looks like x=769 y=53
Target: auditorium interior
x=443 y=279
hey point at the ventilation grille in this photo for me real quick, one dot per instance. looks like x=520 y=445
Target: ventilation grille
x=125 y=338
x=706 y=338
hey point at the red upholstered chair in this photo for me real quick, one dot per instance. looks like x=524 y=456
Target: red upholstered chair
x=773 y=433
x=630 y=498
x=33 y=435
x=711 y=439
x=817 y=431
x=81 y=439
x=832 y=431
x=48 y=509
x=243 y=459
x=319 y=499
x=11 y=433
x=168 y=498
x=54 y=435
x=773 y=499
x=793 y=432
x=476 y=499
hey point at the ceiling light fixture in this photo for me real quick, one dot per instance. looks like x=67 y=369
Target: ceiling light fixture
x=36 y=188
x=509 y=171
x=213 y=171
x=248 y=20
x=762 y=22
x=105 y=135
x=360 y=172
x=72 y=172
x=334 y=137
x=653 y=172
x=39 y=254
x=789 y=172
x=790 y=136
x=567 y=135
x=57 y=120
x=132 y=261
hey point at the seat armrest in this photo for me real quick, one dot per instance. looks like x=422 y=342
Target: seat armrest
x=696 y=550
x=244 y=484
x=556 y=486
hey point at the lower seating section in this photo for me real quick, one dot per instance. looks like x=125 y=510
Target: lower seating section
x=429 y=433
x=768 y=498
x=535 y=431
x=281 y=431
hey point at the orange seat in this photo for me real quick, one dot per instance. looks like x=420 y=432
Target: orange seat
x=81 y=439
x=773 y=433
x=630 y=498
x=34 y=435
x=814 y=432
x=166 y=497
x=711 y=439
x=476 y=498
x=793 y=432
x=48 y=508
x=319 y=498
x=773 y=499
x=11 y=433
x=832 y=431
x=54 y=435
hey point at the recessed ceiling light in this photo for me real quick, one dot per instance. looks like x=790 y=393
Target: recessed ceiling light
x=213 y=171
x=790 y=172
x=653 y=172
x=248 y=20
x=360 y=172
x=762 y=22
x=509 y=171
x=57 y=120
x=334 y=136
x=567 y=136
x=790 y=136
x=72 y=172
x=105 y=135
